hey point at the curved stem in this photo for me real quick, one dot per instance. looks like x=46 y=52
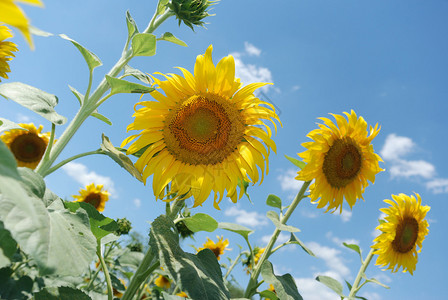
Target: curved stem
x=251 y=286
x=89 y=86
x=50 y=142
x=66 y=161
x=355 y=287
x=157 y=22
x=106 y=272
x=233 y=265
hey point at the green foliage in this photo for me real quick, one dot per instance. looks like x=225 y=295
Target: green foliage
x=118 y=86
x=284 y=285
x=296 y=162
x=144 y=44
x=132 y=26
x=11 y=288
x=99 y=116
x=169 y=37
x=191 y=12
x=198 y=275
x=201 y=222
x=241 y=230
x=331 y=283
x=77 y=94
x=274 y=201
x=130 y=71
x=294 y=240
x=61 y=293
x=6 y=125
x=91 y=59
x=8 y=246
x=32 y=182
x=274 y=217
x=34 y=99
x=355 y=248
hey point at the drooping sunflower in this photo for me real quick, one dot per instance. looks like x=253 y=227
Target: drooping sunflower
x=28 y=146
x=6 y=49
x=163 y=282
x=217 y=248
x=12 y=15
x=206 y=133
x=94 y=195
x=404 y=229
x=340 y=159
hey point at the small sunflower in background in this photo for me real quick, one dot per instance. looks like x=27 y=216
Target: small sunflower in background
x=6 y=51
x=207 y=133
x=402 y=231
x=257 y=255
x=163 y=282
x=182 y=294
x=11 y=14
x=94 y=195
x=28 y=146
x=217 y=248
x=340 y=159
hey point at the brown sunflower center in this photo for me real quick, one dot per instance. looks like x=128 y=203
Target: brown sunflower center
x=28 y=147
x=203 y=130
x=342 y=163
x=93 y=199
x=406 y=235
x=216 y=251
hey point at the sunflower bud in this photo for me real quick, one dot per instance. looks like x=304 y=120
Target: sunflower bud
x=124 y=226
x=191 y=11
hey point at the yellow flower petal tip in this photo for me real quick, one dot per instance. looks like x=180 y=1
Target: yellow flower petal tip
x=217 y=248
x=6 y=51
x=204 y=133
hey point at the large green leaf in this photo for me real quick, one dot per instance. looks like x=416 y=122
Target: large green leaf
x=118 y=86
x=284 y=285
x=241 y=230
x=273 y=216
x=120 y=158
x=91 y=59
x=331 y=283
x=33 y=182
x=34 y=99
x=144 y=44
x=12 y=289
x=201 y=222
x=61 y=293
x=198 y=275
x=6 y=125
x=8 y=246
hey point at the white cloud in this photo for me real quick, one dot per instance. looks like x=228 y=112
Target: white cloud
x=251 y=219
x=81 y=174
x=371 y=295
x=339 y=241
x=23 y=118
x=332 y=259
x=287 y=181
x=296 y=88
x=137 y=202
x=396 y=146
x=404 y=168
x=251 y=49
x=311 y=289
x=249 y=73
x=346 y=215
x=438 y=185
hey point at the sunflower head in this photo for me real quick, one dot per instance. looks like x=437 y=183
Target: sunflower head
x=340 y=159
x=206 y=133
x=6 y=51
x=191 y=12
x=402 y=231
x=217 y=248
x=94 y=195
x=162 y=282
x=28 y=145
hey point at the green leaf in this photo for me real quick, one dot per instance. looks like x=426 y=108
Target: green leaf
x=243 y=186
x=61 y=293
x=296 y=162
x=273 y=216
x=161 y=6
x=131 y=259
x=130 y=71
x=118 y=86
x=6 y=125
x=8 y=246
x=8 y=164
x=353 y=247
x=198 y=275
x=144 y=44
x=294 y=240
x=12 y=289
x=34 y=99
x=101 y=117
x=50 y=197
x=33 y=182
x=274 y=201
x=331 y=283
x=132 y=26
x=91 y=59
x=269 y=294
x=284 y=285
x=241 y=230
x=120 y=158
x=169 y=37
x=373 y=280
x=100 y=225
x=77 y=94
x=201 y=222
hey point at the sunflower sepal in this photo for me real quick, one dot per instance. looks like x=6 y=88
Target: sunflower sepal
x=118 y=86
x=91 y=58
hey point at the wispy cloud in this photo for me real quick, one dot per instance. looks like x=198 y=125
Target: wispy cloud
x=23 y=118
x=81 y=174
x=311 y=289
x=346 y=215
x=137 y=202
x=252 y=219
x=332 y=259
x=251 y=49
x=338 y=241
x=396 y=147
x=288 y=181
x=438 y=185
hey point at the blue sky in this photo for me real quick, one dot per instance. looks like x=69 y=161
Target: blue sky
x=384 y=59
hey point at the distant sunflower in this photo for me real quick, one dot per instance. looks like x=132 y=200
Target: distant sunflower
x=12 y=15
x=28 y=146
x=6 y=49
x=206 y=133
x=182 y=294
x=341 y=160
x=163 y=282
x=94 y=195
x=404 y=229
x=217 y=248
x=257 y=255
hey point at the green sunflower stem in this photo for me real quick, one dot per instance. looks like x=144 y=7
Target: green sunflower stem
x=252 y=285
x=105 y=271
x=66 y=161
x=233 y=265
x=355 y=287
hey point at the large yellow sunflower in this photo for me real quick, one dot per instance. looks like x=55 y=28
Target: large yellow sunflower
x=341 y=160
x=94 y=195
x=206 y=133
x=12 y=15
x=404 y=229
x=28 y=146
x=6 y=49
x=218 y=248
